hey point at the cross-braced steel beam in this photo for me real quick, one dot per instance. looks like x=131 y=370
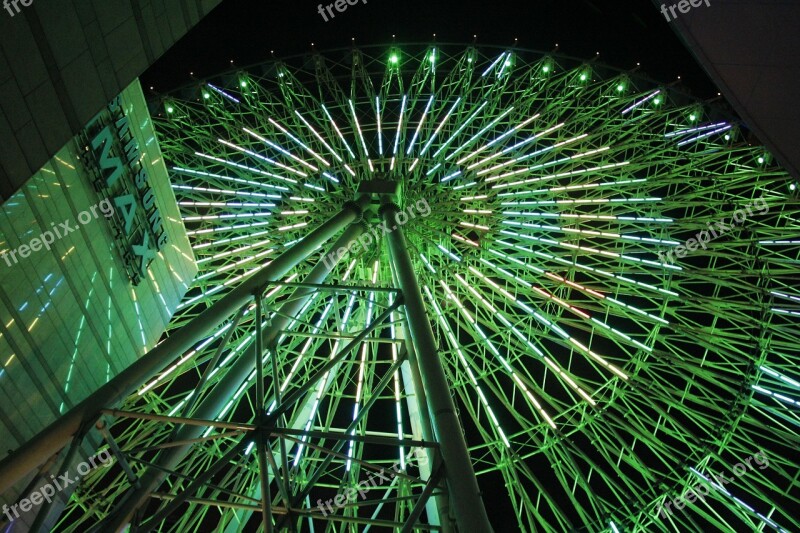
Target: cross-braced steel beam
x=224 y=390
x=461 y=481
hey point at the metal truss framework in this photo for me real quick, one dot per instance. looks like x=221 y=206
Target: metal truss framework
x=595 y=379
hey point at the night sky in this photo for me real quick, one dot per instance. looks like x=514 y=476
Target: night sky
x=625 y=32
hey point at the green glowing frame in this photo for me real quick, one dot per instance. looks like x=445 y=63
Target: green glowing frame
x=595 y=380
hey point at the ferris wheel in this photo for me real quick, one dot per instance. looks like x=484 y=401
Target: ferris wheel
x=567 y=282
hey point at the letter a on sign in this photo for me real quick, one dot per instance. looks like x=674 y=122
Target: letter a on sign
x=126 y=205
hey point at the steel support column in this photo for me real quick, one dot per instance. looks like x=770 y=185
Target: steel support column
x=224 y=390
x=54 y=437
x=462 y=484
x=439 y=505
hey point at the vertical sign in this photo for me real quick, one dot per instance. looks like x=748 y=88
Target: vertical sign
x=112 y=157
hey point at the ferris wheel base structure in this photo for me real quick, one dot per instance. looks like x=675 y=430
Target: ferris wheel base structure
x=465 y=498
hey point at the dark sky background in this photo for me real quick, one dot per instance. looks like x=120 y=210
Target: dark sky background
x=623 y=31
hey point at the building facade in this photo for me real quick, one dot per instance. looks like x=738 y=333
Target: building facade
x=94 y=260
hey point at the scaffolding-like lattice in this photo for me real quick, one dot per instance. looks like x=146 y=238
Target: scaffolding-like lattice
x=601 y=364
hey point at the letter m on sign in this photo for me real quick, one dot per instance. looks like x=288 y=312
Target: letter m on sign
x=107 y=162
